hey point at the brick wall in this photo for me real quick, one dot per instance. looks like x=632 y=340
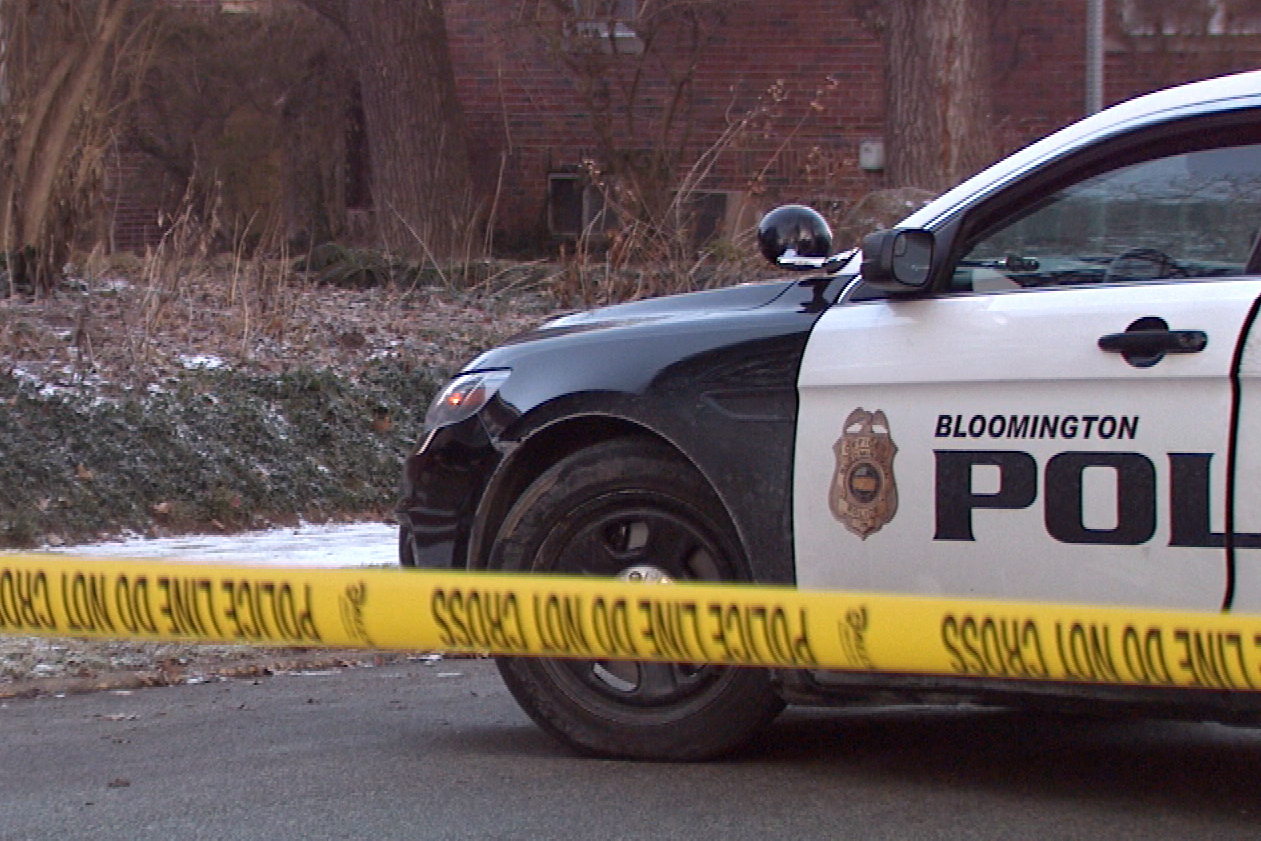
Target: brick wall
x=1039 y=61
x=526 y=117
x=518 y=103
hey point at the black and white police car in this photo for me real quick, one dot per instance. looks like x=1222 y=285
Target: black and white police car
x=1045 y=385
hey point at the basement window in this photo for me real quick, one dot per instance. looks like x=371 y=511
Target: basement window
x=1207 y=19
x=576 y=207
x=606 y=26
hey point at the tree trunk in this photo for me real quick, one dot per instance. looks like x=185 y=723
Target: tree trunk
x=56 y=134
x=422 y=187
x=938 y=87
x=49 y=129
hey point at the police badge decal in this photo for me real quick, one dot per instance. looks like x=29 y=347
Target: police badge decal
x=864 y=495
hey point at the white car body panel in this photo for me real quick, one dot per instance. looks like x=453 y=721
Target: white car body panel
x=1247 y=521
x=1013 y=354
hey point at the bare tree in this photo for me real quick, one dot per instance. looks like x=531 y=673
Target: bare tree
x=61 y=61
x=421 y=184
x=938 y=87
x=233 y=117
x=633 y=66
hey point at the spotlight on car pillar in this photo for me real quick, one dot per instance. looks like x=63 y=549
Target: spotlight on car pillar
x=795 y=237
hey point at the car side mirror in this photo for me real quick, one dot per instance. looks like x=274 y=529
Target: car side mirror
x=898 y=260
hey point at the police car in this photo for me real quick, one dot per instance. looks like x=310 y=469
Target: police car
x=1042 y=386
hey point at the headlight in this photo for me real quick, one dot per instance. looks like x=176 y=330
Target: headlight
x=463 y=397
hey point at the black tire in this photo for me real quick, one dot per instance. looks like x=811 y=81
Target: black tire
x=406 y=552
x=598 y=512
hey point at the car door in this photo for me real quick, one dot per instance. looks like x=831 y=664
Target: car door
x=1243 y=549
x=1055 y=422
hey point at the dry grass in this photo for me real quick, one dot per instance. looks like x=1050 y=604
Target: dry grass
x=129 y=324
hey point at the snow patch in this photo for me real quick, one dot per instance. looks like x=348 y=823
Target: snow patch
x=323 y=546
x=204 y=362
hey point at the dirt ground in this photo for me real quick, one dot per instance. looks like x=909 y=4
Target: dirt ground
x=32 y=666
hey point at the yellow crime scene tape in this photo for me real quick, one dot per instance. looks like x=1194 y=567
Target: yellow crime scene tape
x=554 y=616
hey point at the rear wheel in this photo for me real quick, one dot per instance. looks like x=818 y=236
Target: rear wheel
x=636 y=510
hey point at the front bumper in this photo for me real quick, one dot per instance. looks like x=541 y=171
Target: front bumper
x=443 y=482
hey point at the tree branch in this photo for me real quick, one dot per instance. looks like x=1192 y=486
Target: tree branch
x=334 y=11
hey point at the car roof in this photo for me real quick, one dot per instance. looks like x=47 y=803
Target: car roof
x=1226 y=93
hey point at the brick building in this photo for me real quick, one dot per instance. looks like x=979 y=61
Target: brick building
x=525 y=114
x=782 y=102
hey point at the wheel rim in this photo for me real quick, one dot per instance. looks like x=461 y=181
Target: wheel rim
x=637 y=531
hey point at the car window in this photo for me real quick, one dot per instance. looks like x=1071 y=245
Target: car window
x=1194 y=214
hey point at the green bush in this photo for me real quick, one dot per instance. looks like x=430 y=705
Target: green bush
x=212 y=449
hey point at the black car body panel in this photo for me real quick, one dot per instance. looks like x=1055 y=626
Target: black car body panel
x=712 y=373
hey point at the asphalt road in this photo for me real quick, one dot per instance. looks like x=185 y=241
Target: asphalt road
x=441 y=751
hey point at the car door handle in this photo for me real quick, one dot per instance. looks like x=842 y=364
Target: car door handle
x=1154 y=342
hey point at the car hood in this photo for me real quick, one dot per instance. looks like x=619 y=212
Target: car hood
x=672 y=325
x=747 y=296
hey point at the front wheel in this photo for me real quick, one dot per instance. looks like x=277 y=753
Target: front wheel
x=631 y=509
